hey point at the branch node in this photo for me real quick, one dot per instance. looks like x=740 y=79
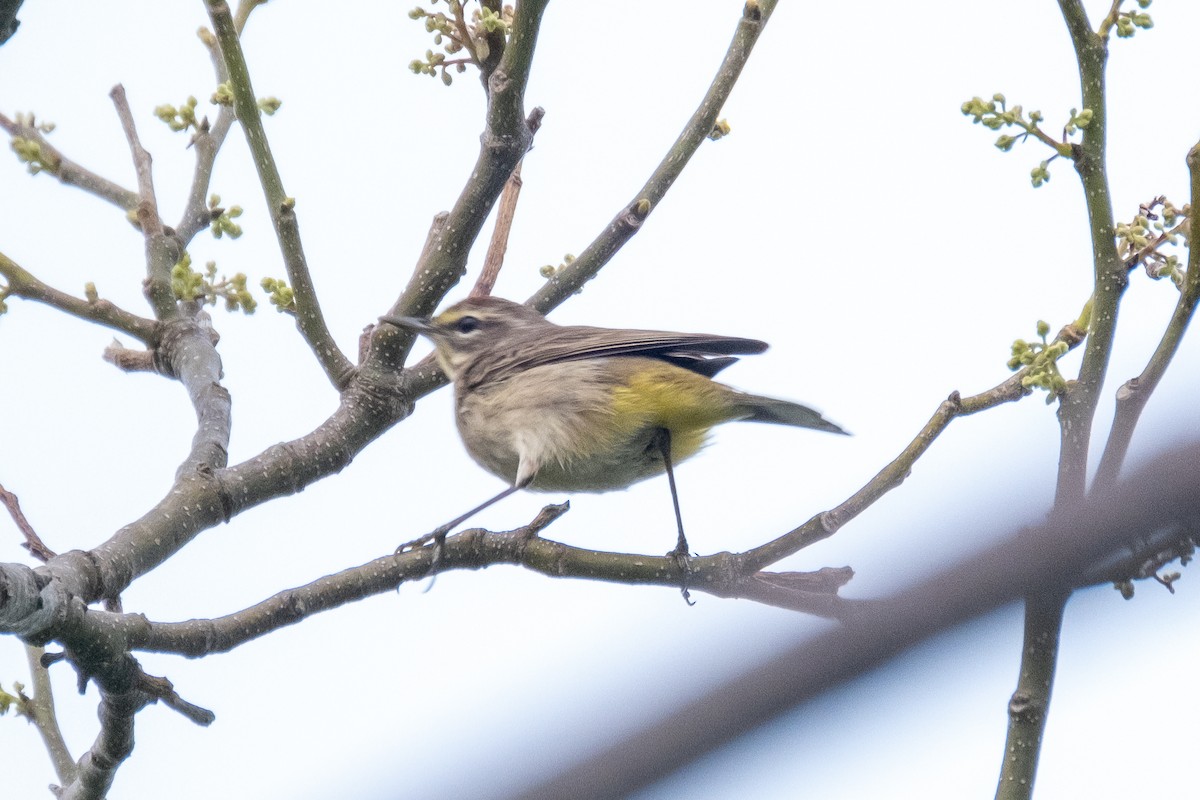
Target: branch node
x=831 y=521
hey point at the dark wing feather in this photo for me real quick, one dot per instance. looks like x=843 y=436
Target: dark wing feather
x=702 y=353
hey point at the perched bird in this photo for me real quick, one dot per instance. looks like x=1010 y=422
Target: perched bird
x=571 y=408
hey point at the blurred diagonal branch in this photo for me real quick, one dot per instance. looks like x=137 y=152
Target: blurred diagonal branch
x=1053 y=558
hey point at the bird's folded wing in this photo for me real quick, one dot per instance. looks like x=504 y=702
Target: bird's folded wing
x=703 y=353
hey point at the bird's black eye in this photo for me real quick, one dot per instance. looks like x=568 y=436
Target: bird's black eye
x=466 y=325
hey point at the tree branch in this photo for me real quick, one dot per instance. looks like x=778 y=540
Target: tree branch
x=1030 y=702
x=162 y=252
x=1077 y=407
x=629 y=220
x=1051 y=558
x=208 y=141
x=309 y=318
x=45 y=717
x=426 y=377
x=33 y=543
x=68 y=172
x=827 y=523
x=505 y=140
x=1135 y=393
x=472 y=549
x=498 y=246
x=21 y=283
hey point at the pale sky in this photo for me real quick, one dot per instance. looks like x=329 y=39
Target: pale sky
x=853 y=218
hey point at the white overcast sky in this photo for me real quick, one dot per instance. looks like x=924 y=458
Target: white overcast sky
x=854 y=219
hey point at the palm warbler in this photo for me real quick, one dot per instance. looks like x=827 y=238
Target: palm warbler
x=580 y=409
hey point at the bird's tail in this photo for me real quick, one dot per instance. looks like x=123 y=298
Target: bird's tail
x=784 y=412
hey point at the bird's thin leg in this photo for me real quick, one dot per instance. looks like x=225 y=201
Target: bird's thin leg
x=438 y=535
x=681 y=552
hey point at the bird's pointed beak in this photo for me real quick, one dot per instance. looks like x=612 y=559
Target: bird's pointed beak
x=416 y=324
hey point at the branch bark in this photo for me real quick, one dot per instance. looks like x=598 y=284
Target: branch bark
x=309 y=318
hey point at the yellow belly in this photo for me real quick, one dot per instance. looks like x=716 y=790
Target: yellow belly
x=590 y=426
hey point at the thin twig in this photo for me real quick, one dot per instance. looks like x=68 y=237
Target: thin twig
x=1135 y=393
x=281 y=207
x=162 y=252
x=69 y=172
x=33 y=543
x=23 y=284
x=1077 y=407
x=46 y=718
x=505 y=211
x=148 y=217
x=207 y=143
x=826 y=524
x=161 y=689
x=629 y=220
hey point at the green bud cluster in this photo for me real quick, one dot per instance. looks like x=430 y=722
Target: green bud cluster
x=178 y=118
x=222 y=222
x=1158 y=224
x=1128 y=22
x=223 y=96
x=995 y=115
x=433 y=63
x=1040 y=359
x=189 y=285
x=29 y=150
x=1040 y=174
x=454 y=34
x=280 y=295
x=549 y=270
x=18 y=701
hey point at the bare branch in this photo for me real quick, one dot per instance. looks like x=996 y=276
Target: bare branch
x=162 y=251
x=125 y=689
x=281 y=207
x=33 y=543
x=67 y=171
x=128 y=360
x=207 y=143
x=45 y=717
x=1135 y=393
x=826 y=524
x=1029 y=706
x=148 y=217
x=629 y=220
x=494 y=260
x=21 y=283
x=1077 y=408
